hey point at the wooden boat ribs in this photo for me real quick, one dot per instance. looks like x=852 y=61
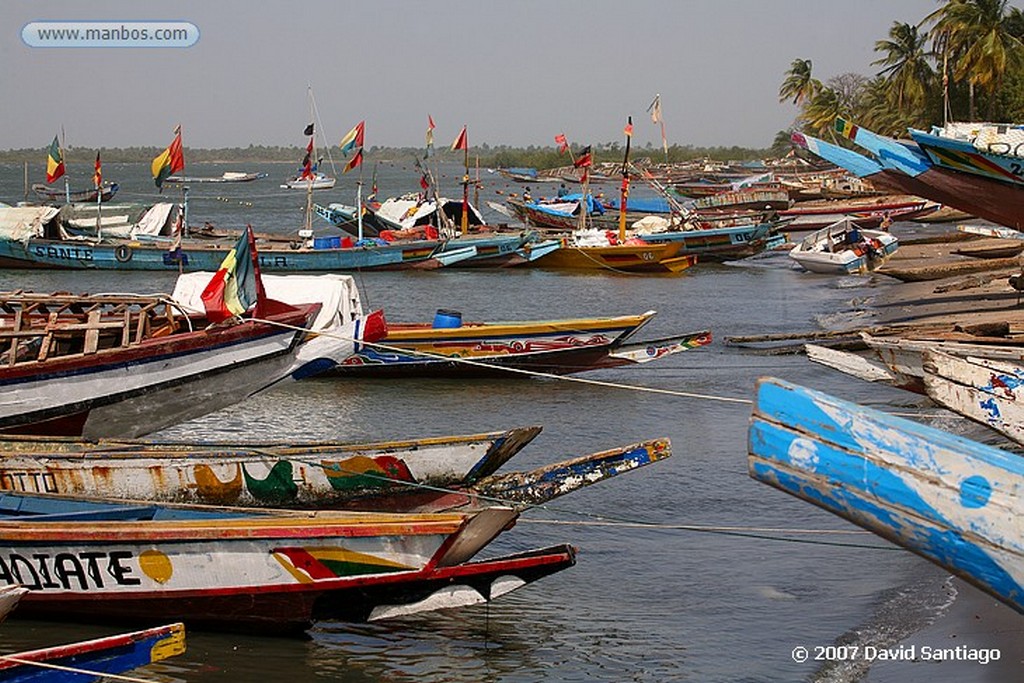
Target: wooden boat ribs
x=44 y=326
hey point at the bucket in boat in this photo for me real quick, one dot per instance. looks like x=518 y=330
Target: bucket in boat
x=447 y=319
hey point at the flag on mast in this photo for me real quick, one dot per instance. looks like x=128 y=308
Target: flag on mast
x=170 y=161
x=461 y=142
x=236 y=286
x=353 y=138
x=563 y=144
x=97 y=176
x=584 y=159
x=655 y=111
x=54 y=161
x=430 y=133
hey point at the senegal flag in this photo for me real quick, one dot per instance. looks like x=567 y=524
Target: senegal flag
x=236 y=287
x=54 y=162
x=170 y=161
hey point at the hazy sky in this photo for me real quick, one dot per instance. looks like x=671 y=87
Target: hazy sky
x=515 y=72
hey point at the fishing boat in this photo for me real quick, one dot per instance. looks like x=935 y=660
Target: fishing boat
x=580 y=252
x=449 y=347
x=723 y=243
x=127 y=365
x=991 y=150
x=906 y=168
x=226 y=177
x=982 y=389
x=10 y=595
x=58 y=196
x=316 y=181
x=867 y=213
x=304 y=475
x=843 y=248
x=270 y=571
x=91 y=660
x=951 y=500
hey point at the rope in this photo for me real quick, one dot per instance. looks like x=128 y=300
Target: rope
x=75 y=670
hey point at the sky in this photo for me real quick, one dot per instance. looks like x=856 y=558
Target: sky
x=516 y=72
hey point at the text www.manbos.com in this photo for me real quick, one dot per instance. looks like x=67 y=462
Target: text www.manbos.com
x=110 y=34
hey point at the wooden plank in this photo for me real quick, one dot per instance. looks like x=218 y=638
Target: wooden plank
x=946 y=498
x=92 y=333
x=850 y=364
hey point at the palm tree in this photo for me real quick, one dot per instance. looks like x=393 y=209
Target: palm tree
x=799 y=85
x=820 y=112
x=906 y=65
x=978 y=34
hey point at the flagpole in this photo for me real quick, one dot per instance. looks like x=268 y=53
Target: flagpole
x=63 y=157
x=359 y=201
x=99 y=198
x=624 y=192
x=465 y=188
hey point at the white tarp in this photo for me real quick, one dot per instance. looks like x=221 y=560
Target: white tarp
x=338 y=294
x=23 y=222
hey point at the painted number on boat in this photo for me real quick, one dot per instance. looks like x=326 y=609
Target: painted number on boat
x=32 y=482
x=82 y=570
x=64 y=253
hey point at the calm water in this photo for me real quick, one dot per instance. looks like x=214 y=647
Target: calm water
x=642 y=604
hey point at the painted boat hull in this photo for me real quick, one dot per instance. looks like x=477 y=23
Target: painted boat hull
x=53 y=194
x=631 y=258
x=963 y=156
x=109 y=655
x=950 y=500
x=241 y=569
x=492 y=349
x=826 y=251
x=134 y=390
x=315 y=475
x=981 y=389
x=718 y=244
x=9 y=598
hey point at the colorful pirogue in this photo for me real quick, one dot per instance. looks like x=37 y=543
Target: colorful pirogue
x=241 y=569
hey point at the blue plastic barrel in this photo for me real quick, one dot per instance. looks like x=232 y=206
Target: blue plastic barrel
x=447 y=319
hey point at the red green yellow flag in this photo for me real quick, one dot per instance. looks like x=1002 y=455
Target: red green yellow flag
x=54 y=161
x=236 y=286
x=846 y=129
x=170 y=161
x=97 y=175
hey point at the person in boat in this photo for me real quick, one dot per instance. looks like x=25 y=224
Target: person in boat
x=886 y=222
x=562 y=190
x=526 y=195
x=853 y=235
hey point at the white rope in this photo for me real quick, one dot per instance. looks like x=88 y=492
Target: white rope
x=529 y=373
x=694 y=527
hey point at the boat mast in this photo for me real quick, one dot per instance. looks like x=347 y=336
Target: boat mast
x=465 y=188
x=624 y=191
x=64 y=157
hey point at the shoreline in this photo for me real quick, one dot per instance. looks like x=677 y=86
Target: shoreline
x=973 y=621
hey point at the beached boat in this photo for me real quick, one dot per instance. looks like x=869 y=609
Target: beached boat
x=127 y=365
x=981 y=389
x=725 y=243
x=303 y=475
x=59 y=196
x=450 y=347
x=948 y=499
x=906 y=168
x=226 y=177
x=270 y=571
x=867 y=213
x=92 y=660
x=9 y=597
x=991 y=150
x=843 y=248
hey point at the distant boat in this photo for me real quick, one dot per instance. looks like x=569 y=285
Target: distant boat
x=844 y=249
x=53 y=194
x=318 y=181
x=91 y=660
x=868 y=212
x=950 y=500
x=227 y=177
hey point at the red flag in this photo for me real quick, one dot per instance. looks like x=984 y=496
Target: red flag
x=584 y=159
x=562 y=143
x=461 y=142
x=424 y=183
x=357 y=160
x=97 y=176
x=628 y=130
x=54 y=161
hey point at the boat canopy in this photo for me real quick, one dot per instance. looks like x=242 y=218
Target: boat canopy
x=23 y=222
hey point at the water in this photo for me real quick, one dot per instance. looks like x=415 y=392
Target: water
x=642 y=604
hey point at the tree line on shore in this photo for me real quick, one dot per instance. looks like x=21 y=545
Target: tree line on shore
x=962 y=61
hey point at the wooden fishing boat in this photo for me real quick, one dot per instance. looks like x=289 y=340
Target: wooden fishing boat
x=632 y=258
x=981 y=389
x=490 y=349
x=10 y=595
x=867 y=213
x=127 y=365
x=724 y=243
x=860 y=367
x=226 y=177
x=100 y=658
x=907 y=169
x=948 y=499
x=947 y=269
x=989 y=150
x=243 y=569
x=318 y=181
x=302 y=475
x=843 y=248
x=59 y=196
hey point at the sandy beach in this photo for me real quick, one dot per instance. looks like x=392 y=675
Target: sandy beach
x=974 y=622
